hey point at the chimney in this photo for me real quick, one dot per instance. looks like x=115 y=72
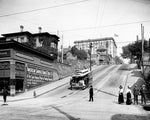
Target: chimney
x=40 y=29
x=21 y=28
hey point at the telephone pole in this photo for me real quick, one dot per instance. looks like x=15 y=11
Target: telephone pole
x=142 y=37
x=62 y=53
x=90 y=56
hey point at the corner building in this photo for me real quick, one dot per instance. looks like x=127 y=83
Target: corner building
x=23 y=67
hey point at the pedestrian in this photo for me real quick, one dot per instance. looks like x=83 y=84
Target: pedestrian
x=91 y=93
x=135 y=94
x=120 y=97
x=128 y=95
x=5 y=93
x=142 y=93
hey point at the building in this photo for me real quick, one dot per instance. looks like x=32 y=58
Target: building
x=24 y=63
x=103 y=49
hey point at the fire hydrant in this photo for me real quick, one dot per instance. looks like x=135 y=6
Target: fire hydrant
x=34 y=94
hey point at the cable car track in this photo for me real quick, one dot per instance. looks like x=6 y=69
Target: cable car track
x=95 y=81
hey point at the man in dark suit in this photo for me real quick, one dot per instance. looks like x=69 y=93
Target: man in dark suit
x=91 y=93
x=5 y=93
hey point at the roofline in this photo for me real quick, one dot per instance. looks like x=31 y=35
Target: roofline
x=97 y=39
x=17 y=45
x=48 y=34
x=16 y=33
x=28 y=33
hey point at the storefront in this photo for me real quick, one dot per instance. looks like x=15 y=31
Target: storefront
x=22 y=68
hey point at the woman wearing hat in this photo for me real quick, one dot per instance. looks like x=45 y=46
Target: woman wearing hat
x=120 y=97
x=129 y=98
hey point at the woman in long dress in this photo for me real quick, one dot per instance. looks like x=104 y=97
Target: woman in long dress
x=120 y=97
x=129 y=98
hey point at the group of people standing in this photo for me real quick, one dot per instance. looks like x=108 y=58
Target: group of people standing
x=136 y=92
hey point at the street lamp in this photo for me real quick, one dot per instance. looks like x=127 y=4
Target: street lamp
x=90 y=56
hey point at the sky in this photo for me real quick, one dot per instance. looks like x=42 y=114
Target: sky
x=78 y=19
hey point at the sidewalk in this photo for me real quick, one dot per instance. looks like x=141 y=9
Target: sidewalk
x=39 y=91
x=135 y=78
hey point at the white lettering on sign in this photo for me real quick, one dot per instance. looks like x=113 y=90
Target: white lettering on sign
x=37 y=76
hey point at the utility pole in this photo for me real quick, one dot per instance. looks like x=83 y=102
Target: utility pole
x=58 y=59
x=142 y=36
x=90 y=56
x=62 y=53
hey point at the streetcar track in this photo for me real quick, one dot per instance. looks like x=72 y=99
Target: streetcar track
x=78 y=91
x=95 y=81
x=102 y=76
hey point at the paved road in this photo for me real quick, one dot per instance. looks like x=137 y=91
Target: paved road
x=65 y=104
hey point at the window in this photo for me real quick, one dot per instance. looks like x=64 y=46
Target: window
x=22 y=40
x=52 y=45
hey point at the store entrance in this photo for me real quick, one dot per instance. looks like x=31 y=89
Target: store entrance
x=19 y=85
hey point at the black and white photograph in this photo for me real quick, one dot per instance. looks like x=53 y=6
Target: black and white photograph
x=74 y=59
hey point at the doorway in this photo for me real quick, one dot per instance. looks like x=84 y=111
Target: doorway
x=19 y=85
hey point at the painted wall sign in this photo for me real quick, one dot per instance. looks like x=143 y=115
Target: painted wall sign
x=5 y=53
x=36 y=76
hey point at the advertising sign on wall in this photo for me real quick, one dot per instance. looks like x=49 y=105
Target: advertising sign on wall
x=5 y=53
x=36 y=76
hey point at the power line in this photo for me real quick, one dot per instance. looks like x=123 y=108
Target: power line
x=98 y=10
x=144 y=2
x=34 y=10
x=102 y=14
x=103 y=10
x=88 y=28
x=97 y=15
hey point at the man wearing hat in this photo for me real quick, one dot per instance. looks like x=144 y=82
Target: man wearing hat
x=91 y=93
x=142 y=93
x=135 y=94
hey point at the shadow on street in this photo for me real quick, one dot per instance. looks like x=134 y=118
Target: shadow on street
x=129 y=117
x=66 y=114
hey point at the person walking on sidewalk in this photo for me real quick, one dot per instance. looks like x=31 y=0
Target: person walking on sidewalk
x=91 y=93
x=142 y=93
x=129 y=98
x=135 y=94
x=120 y=97
x=5 y=93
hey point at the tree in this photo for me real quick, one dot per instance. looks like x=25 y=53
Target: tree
x=81 y=54
x=74 y=50
x=134 y=51
x=118 y=60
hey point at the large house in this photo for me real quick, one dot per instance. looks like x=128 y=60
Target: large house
x=26 y=60
x=103 y=50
